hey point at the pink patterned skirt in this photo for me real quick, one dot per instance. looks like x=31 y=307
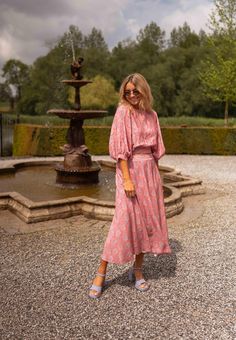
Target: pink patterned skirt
x=139 y=223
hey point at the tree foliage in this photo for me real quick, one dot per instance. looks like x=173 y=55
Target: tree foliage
x=184 y=37
x=100 y=94
x=7 y=95
x=171 y=67
x=16 y=75
x=218 y=73
x=150 y=42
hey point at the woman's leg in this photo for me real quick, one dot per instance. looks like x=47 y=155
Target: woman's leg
x=138 y=264
x=102 y=269
x=99 y=280
x=139 y=273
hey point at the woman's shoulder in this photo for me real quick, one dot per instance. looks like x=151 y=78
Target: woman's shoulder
x=122 y=110
x=155 y=114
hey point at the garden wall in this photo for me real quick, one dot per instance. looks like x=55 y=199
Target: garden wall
x=35 y=140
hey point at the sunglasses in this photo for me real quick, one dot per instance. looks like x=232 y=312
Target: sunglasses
x=135 y=92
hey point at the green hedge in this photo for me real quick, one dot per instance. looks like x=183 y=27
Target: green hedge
x=35 y=140
x=200 y=140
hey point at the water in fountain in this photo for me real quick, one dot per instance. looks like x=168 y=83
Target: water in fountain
x=38 y=184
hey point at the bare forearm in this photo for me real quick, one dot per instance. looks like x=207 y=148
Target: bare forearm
x=124 y=169
x=127 y=182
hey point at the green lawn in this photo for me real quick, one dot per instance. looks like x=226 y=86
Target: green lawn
x=4 y=107
x=2 y=104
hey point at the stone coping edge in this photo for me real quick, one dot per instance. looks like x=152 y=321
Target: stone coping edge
x=31 y=212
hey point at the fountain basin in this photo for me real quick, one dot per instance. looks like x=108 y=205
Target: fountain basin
x=77 y=114
x=76 y=83
x=32 y=211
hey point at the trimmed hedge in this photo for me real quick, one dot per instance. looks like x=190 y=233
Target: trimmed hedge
x=200 y=140
x=36 y=140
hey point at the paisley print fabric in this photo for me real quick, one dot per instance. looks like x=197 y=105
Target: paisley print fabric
x=139 y=223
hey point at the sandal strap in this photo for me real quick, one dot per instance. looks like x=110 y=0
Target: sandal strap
x=98 y=289
x=101 y=275
x=138 y=283
x=141 y=282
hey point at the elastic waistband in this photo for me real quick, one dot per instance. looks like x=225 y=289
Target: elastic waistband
x=142 y=157
x=142 y=151
x=142 y=154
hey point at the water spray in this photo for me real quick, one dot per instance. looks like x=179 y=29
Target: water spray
x=72 y=46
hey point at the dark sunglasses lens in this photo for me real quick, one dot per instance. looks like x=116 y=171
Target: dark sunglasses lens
x=128 y=93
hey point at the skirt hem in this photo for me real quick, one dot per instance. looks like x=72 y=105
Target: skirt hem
x=130 y=259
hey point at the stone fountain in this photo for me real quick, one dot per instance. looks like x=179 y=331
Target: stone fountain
x=77 y=167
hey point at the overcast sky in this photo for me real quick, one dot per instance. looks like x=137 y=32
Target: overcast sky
x=25 y=25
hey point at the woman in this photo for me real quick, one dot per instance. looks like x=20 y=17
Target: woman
x=139 y=223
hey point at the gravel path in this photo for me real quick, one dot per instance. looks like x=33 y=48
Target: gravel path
x=45 y=274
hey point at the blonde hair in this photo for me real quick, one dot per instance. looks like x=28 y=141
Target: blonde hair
x=142 y=86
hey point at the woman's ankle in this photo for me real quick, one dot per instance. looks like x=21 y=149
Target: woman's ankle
x=138 y=273
x=102 y=269
x=98 y=280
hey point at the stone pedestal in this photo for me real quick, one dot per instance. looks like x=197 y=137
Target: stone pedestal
x=77 y=176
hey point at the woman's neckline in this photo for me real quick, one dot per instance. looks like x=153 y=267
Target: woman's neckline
x=133 y=109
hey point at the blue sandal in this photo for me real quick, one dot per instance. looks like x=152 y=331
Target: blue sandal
x=138 y=283
x=97 y=289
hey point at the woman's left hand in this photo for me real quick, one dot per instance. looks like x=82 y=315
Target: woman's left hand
x=129 y=188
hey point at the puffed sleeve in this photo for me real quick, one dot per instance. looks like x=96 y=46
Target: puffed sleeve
x=158 y=149
x=120 y=143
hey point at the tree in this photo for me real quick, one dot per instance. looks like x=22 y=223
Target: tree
x=153 y=34
x=96 y=54
x=130 y=56
x=7 y=95
x=100 y=94
x=70 y=44
x=16 y=75
x=175 y=83
x=183 y=37
x=218 y=73
x=150 y=42
x=44 y=90
x=223 y=19
x=120 y=63
x=219 y=82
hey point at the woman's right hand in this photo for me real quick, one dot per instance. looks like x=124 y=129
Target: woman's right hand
x=129 y=188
